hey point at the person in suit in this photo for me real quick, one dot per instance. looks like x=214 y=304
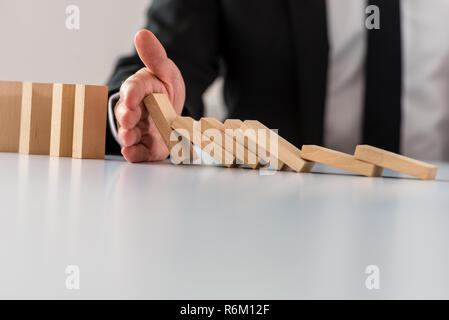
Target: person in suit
x=310 y=68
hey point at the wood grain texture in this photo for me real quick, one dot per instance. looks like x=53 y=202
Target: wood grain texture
x=10 y=110
x=396 y=162
x=287 y=153
x=89 y=125
x=214 y=130
x=340 y=160
x=240 y=144
x=233 y=123
x=63 y=106
x=35 y=122
x=163 y=114
x=190 y=129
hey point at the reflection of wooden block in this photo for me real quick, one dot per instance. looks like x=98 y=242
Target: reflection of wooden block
x=35 y=122
x=163 y=114
x=89 y=125
x=288 y=154
x=340 y=160
x=194 y=135
x=396 y=162
x=10 y=108
x=62 y=120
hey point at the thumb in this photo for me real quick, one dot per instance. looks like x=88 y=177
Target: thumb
x=153 y=55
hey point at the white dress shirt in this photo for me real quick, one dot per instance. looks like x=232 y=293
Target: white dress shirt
x=425 y=101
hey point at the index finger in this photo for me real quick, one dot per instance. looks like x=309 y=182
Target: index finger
x=138 y=86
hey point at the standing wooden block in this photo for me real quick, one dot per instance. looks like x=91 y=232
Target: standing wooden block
x=340 y=160
x=62 y=120
x=163 y=114
x=89 y=124
x=187 y=127
x=396 y=162
x=35 y=122
x=10 y=109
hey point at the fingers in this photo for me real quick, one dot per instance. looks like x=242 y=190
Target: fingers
x=154 y=56
x=138 y=86
x=127 y=118
x=129 y=137
x=150 y=146
x=136 y=153
x=148 y=149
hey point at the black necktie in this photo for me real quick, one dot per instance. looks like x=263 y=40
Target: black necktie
x=382 y=116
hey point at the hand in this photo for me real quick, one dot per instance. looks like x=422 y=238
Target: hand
x=137 y=132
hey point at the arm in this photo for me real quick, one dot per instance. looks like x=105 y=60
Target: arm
x=189 y=32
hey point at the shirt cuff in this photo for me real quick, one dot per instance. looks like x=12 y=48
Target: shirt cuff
x=113 y=99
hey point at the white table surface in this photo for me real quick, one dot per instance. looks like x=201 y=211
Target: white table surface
x=161 y=231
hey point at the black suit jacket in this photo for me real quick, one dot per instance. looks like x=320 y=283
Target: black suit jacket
x=273 y=55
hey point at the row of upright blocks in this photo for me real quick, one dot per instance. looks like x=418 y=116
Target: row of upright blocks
x=61 y=120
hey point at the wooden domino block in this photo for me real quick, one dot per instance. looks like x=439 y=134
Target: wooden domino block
x=240 y=147
x=89 y=124
x=35 y=122
x=240 y=144
x=209 y=126
x=252 y=142
x=10 y=109
x=187 y=127
x=340 y=160
x=233 y=123
x=163 y=114
x=287 y=155
x=396 y=162
x=62 y=113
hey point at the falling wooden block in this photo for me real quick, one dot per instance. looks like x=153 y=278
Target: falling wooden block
x=208 y=125
x=287 y=154
x=340 y=160
x=233 y=123
x=63 y=106
x=249 y=137
x=35 y=120
x=396 y=162
x=240 y=145
x=189 y=129
x=10 y=109
x=163 y=114
x=214 y=130
x=89 y=124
